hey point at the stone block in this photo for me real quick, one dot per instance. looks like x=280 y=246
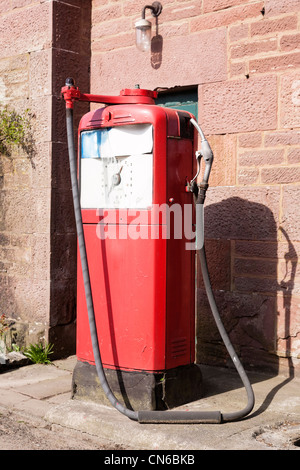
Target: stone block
x=290 y=208
x=40 y=74
x=242 y=213
x=250 y=140
x=252 y=48
x=205 y=62
x=41 y=122
x=107 y=13
x=275 y=63
x=60 y=166
x=261 y=157
x=15 y=203
x=63 y=337
x=212 y=5
x=290 y=100
x=26 y=30
x=255 y=267
x=63 y=302
x=249 y=319
x=224 y=166
x=290 y=42
x=280 y=175
x=248 y=176
x=238 y=32
x=109 y=28
x=239 y=105
x=280 y=138
x=63 y=220
x=14 y=80
x=256 y=249
x=40 y=256
x=67 y=64
x=41 y=166
x=275 y=8
x=64 y=252
x=226 y=17
x=288 y=326
x=179 y=11
x=218 y=253
x=294 y=155
x=267 y=26
x=66 y=26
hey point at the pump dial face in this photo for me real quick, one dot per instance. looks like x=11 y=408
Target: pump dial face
x=109 y=179
x=116 y=182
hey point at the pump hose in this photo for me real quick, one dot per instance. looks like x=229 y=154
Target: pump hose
x=85 y=271
x=145 y=416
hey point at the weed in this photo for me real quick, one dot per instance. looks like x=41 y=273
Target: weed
x=15 y=348
x=38 y=353
x=15 y=130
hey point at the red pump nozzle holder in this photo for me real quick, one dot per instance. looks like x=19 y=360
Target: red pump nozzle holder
x=72 y=93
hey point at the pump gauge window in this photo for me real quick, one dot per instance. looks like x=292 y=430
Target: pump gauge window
x=116 y=167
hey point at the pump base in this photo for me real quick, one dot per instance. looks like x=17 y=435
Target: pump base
x=140 y=390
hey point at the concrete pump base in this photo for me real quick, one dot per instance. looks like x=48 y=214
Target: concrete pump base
x=140 y=390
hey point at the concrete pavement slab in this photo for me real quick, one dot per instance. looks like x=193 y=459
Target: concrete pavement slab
x=44 y=392
x=248 y=434
x=46 y=388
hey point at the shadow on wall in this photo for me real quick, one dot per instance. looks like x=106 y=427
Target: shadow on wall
x=242 y=254
x=156 y=49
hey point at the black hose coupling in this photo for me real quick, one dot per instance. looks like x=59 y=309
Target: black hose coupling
x=202 y=188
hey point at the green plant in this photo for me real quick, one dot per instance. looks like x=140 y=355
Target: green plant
x=15 y=348
x=38 y=353
x=15 y=130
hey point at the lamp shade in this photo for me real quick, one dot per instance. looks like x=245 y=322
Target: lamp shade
x=143 y=35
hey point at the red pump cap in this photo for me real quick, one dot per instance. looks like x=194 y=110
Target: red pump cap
x=138 y=92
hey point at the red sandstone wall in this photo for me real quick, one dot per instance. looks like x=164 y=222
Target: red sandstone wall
x=41 y=43
x=25 y=80
x=245 y=58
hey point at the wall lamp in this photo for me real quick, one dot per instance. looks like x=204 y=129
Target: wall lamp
x=143 y=27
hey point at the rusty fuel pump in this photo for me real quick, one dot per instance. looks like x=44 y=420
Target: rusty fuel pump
x=135 y=296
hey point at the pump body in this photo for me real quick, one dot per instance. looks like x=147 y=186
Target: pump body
x=134 y=163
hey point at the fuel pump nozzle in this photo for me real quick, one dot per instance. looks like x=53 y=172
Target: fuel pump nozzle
x=199 y=191
x=207 y=154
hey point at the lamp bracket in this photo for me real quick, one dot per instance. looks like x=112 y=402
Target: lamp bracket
x=156 y=9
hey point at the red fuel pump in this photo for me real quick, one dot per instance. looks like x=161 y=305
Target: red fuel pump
x=133 y=190
x=133 y=168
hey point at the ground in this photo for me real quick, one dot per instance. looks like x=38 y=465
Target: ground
x=19 y=433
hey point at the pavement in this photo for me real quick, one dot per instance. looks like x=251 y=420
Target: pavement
x=41 y=394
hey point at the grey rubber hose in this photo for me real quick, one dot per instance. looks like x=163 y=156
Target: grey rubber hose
x=237 y=363
x=85 y=271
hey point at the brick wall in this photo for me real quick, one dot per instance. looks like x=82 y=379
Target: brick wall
x=245 y=58
x=42 y=42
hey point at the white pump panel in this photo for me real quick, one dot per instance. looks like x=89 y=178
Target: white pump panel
x=116 y=167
